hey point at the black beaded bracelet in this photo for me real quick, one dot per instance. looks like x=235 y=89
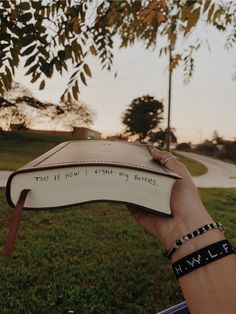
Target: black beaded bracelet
x=202 y=257
x=194 y=234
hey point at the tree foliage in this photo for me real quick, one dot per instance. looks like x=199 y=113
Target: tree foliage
x=160 y=136
x=58 y=36
x=229 y=151
x=217 y=139
x=10 y=114
x=72 y=114
x=142 y=116
x=19 y=107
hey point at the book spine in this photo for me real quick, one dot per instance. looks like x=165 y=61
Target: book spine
x=36 y=162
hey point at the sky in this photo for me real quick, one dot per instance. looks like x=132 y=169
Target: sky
x=206 y=104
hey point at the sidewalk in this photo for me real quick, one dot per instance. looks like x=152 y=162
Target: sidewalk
x=220 y=174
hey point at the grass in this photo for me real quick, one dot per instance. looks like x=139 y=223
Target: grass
x=195 y=168
x=18 y=148
x=92 y=259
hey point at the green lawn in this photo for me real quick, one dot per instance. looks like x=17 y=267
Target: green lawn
x=195 y=168
x=18 y=148
x=92 y=259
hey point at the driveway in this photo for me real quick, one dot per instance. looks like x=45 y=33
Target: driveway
x=220 y=174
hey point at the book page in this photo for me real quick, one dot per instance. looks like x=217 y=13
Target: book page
x=73 y=185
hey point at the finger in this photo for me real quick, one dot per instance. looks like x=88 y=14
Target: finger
x=162 y=156
x=172 y=164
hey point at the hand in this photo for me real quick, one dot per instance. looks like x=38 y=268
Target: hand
x=186 y=205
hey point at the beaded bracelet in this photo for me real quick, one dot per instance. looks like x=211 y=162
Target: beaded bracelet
x=194 y=234
x=202 y=257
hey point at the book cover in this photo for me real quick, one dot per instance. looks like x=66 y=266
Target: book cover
x=77 y=172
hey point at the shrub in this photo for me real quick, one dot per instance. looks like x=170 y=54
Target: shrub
x=186 y=147
x=229 y=151
x=207 y=149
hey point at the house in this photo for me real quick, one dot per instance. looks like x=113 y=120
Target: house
x=86 y=133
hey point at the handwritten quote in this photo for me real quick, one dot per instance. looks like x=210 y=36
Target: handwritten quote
x=93 y=172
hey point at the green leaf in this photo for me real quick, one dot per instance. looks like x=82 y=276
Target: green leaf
x=37 y=5
x=6 y=4
x=29 y=50
x=50 y=70
x=32 y=69
x=30 y=60
x=64 y=65
x=74 y=92
x=27 y=39
x=8 y=72
x=93 y=50
x=206 y=5
x=42 y=85
x=6 y=81
x=192 y=20
x=15 y=56
x=210 y=12
x=35 y=77
x=73 y=76
x=12 y=65
x=58 y=66
x=87 y=70
x=67 y=52
x=25 y=17
x=83 y=78
x=48 y=11
x=24 y=6
x=28 y=29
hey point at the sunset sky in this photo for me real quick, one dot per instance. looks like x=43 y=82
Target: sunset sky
x=206 y=104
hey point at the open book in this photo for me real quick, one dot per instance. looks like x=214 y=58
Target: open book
x=83 y=171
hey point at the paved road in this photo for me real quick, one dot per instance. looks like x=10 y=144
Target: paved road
x=220 y=174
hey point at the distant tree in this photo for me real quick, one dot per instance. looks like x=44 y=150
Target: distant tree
x=160 y=136
x=73 y=114
x=228 y=151
x=207 y=148
x=216 y=139
x=143 y=115
x=21 y=108
x=58 y=36
x=186 y=147
x=118 y=136
x=11 y=114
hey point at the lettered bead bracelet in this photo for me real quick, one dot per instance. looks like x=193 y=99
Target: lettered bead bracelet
x=202 y=257
x=194 y=234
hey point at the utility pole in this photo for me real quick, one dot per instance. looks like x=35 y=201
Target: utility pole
x=169 y=99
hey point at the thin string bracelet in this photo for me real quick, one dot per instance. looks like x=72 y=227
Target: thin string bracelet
x=194 y=234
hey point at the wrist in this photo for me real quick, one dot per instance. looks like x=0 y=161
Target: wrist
x=185 y=226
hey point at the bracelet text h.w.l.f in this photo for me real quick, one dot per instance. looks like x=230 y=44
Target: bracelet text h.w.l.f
x=202 y=257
